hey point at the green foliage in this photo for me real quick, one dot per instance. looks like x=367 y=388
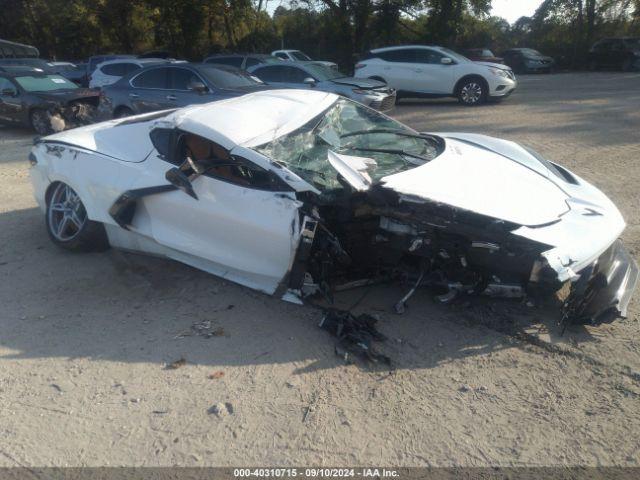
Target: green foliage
x=335 y=30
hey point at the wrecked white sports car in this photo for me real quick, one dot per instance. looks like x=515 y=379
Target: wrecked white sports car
x=300 y=193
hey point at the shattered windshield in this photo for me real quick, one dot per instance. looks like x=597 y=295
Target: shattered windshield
x=347 y=128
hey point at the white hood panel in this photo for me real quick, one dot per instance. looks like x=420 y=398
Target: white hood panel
x=483 y=182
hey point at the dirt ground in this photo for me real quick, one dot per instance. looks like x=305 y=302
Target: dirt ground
x=85 y=340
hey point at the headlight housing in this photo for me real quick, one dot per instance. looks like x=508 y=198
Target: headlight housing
x=499 y=72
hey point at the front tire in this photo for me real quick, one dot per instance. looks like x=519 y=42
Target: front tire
x=69 y=226
x=40 y=121
x=472 y=92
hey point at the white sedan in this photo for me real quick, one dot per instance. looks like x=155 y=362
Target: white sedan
x=299 y=193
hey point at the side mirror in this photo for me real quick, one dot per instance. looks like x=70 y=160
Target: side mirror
x=178 y=179
x=446 y=61
x=9 y=92
x=198 y=87
x=309 y=81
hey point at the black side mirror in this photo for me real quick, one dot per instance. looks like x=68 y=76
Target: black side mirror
x=9 y=92
x=178 y=179
x=198 y=87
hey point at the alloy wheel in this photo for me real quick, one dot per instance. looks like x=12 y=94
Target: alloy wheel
x=471 y=93
x=67 y=215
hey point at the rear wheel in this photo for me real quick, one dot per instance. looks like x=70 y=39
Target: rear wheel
x=41 y=121
x=68 y=224
x=472 y=92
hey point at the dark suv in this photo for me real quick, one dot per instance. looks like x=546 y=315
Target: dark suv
x=243 y=61
x=621 y=53
x=169 y=86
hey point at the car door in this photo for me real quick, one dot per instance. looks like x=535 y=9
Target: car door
x=234 y=228
x=617 y=54
x=180 y=92
x=431 y=75
x=11 y=108
x=399 y=68
x=149 y=90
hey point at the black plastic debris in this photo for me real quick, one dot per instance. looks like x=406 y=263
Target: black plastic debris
x=355 y=334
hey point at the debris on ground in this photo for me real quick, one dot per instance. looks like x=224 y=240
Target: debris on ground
x=355 y=334
x=215 y=375
x=203 y=329
x=221 y=409
x=181 y=362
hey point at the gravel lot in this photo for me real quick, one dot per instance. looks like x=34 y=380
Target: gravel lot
x=85 y=339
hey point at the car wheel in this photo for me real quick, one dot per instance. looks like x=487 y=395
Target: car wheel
x=123 y=112
x=626 y=65
x=41 y=122
x=593 y=65
x=68 y=224
x=472 y=92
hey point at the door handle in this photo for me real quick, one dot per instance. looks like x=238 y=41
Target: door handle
x=418 y=70
x=133 y=95
x=171 y=97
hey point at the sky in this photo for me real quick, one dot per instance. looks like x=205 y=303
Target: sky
x=512 y=10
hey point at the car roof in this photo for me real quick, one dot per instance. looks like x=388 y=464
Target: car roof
x=20 y=71
x=264 y=115
x=141 y=61
x=401 y=47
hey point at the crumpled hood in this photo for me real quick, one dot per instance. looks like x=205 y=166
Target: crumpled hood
x=364 y=83
x=476 y=178
x=67 y=95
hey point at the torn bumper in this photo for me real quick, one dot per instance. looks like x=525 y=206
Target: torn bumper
x=604 y=289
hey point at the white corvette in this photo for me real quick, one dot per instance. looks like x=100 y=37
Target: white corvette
x=299 y=193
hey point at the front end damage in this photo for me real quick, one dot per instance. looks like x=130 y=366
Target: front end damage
x=381 y=236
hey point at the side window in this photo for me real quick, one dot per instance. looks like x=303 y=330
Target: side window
x=617 y=46
x=182 y=79
x=115 y=69
x=233 y=61
x=5 y=84
x=251 y=62
x=403 y=55
x=427 y=56
x=155 y=78
x=294 y=75
x=282 y=55
x=161 y=139
x=270 y=74
x=215 y=161
x=131 y=67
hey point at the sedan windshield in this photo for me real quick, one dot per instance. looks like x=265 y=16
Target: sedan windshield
x=228 y=77
x=45 y=83
x=531 y=52
x=348 y=128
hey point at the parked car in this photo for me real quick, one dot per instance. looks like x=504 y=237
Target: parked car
x=312 y=75
x=74 y=72
x=167 y=86
x=621 y=53
x=39 y=63
x=17 y=50
x=482 y=55
x=298 y=193
x=420 y=71
x=45 y=102
x=93 y=62
x=528 y=60
x=111 y=71
x=298 y=56
x=243 y=61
